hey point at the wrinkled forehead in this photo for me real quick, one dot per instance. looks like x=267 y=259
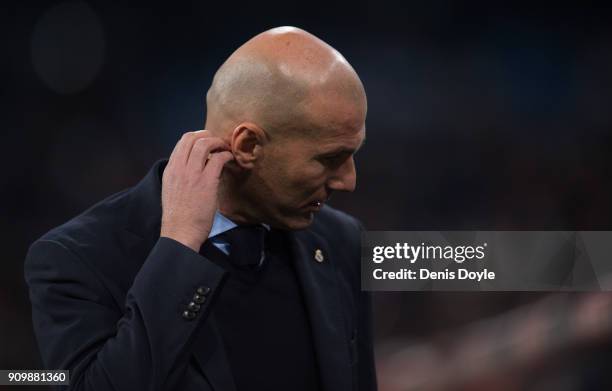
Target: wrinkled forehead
x=334 y=113
x=332 y=129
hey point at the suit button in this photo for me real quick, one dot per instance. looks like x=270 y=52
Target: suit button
x=189 y=315
x=203 y=290
x=198 y=299
x=193 y=307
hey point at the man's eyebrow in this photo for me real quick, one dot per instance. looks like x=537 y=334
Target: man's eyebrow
x=343 y=149
x=339 y=151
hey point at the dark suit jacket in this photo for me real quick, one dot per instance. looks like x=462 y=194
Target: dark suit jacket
x=108 y=296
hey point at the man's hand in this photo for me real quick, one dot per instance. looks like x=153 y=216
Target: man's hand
x=190 y=185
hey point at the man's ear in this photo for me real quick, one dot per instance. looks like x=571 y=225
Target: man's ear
x=246 y=142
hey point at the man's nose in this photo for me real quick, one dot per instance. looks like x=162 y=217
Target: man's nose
x=344 y=178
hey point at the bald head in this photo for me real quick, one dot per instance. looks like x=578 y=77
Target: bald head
x=280 y=80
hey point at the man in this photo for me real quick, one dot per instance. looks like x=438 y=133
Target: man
x=242 y=279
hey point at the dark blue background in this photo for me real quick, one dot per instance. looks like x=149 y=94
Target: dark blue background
x=482 y=115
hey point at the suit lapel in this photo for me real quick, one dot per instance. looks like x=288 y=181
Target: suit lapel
x=322 y=296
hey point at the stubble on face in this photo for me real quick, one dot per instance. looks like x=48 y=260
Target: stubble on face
x=293 y=176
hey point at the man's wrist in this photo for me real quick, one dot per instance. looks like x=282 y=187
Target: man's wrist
x=184 y=239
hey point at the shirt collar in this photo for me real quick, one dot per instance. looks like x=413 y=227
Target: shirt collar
x=222 y=224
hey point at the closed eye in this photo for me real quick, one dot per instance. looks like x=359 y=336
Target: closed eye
x=335 y=160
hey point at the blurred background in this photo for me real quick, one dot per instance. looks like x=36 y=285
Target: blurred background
x=482 y=115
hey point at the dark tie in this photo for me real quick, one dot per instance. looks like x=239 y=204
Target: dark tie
x=246 y=245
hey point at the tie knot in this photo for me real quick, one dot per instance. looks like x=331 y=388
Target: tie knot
x=246 y=245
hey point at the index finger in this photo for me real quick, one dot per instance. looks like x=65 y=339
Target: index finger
x=183 y=147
